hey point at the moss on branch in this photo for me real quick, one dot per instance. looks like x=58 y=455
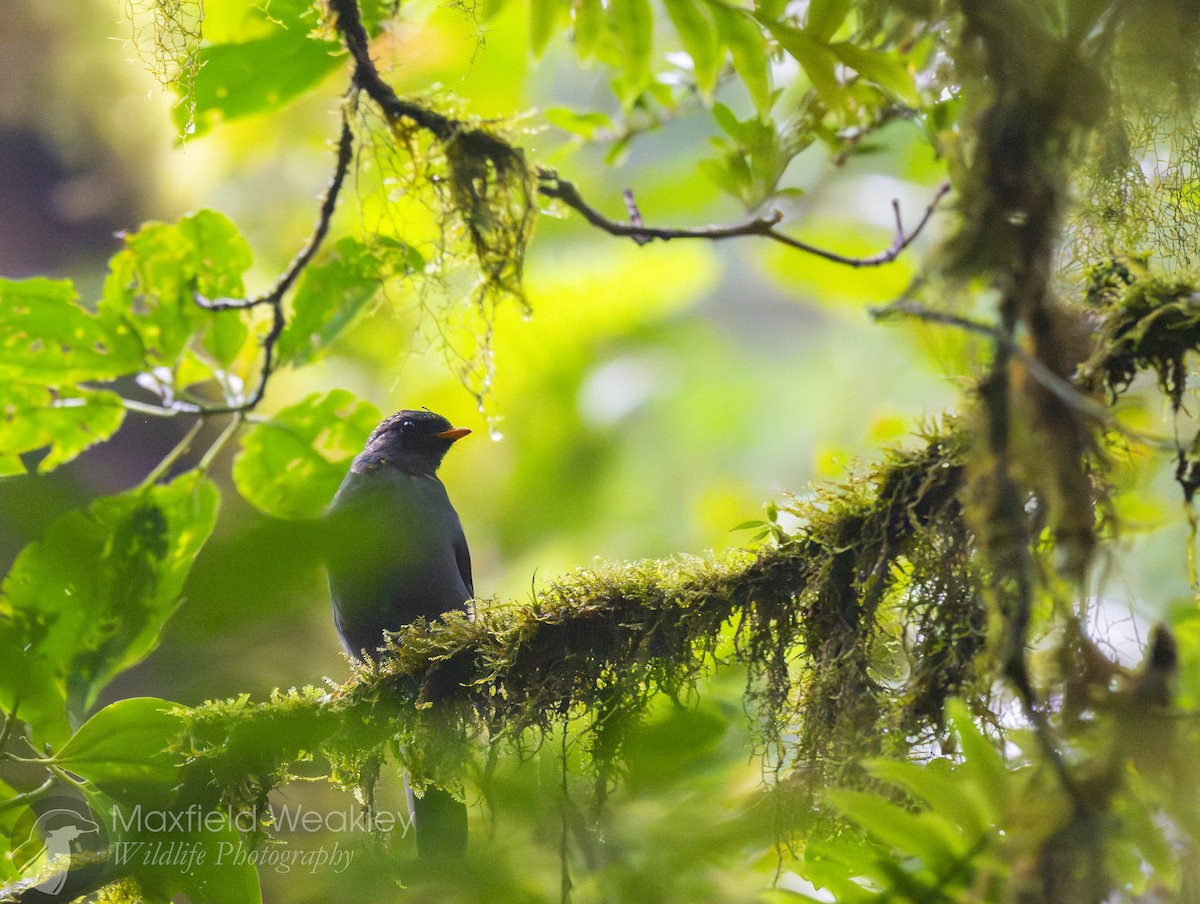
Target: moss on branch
x=857 y=626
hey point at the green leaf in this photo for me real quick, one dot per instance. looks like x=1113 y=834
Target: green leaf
x=91 y=596
x=33 y=417
x=331 y=294
x=588 y=16
x=586 y=124
x=30 y=688
x=544 y=17
x=632 y=23
x=946 y=793
x=815 y=58
x=699 y=36
x=47 y=338
x=825 y=17
x=154 y=281
x=218 y=255
x=256 y=76
x=924 y=835
x=888 y=70
x=291 y=465
x=982 y=763
x=124 y=749
x=748 y=48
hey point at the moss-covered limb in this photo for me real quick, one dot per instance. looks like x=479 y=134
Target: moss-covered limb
x=804 y=616
x=882 y=580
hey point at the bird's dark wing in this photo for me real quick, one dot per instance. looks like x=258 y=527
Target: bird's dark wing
x=462 y=555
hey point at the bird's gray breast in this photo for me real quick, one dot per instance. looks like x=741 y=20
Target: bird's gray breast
x=392 y=554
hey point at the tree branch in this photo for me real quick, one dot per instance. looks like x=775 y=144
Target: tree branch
x=274 y=297
x=551 y=186
x=349 y=22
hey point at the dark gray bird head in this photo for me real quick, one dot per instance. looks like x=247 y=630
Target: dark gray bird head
x=413 y=441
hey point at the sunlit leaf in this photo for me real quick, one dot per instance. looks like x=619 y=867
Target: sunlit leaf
x=256 y=76
x=748 y=48
x=92 y=595
x=34 y=417
x=588 y=18
x=544 y=17
x=945 y=792
x=154 y=284
x=585 y=124
x=982 y=764
x=331 y=294
x=46 y=337
x=888 y=70
x=30 y=688
x=291 y=465
x=123 y=749
x=700 y=40
x=925 y=835
x=815 y=58
x=632 y=23
x=825 y=17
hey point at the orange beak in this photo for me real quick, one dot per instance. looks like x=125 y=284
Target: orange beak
x=453 y=434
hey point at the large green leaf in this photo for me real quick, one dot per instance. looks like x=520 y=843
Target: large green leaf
x=544 y=18
x=33 y=417
x=257 y=76
x=927 y=835
x=815 y=58
x=30 y=687
x=291 y=465
x=91 y=597
x=46 y=337
x=887 y=69
x=944 y=790
x=154 y=282
x=331 y=294
x=123 y=749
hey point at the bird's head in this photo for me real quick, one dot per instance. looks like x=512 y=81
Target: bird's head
x=413 y=441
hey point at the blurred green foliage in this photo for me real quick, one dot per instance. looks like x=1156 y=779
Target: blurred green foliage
x=644 y=401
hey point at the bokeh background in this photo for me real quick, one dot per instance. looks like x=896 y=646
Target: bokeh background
x=657 y=397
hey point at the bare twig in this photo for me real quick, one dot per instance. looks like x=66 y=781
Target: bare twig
x=551 y=186
x=1049 y=380
x=274 y=297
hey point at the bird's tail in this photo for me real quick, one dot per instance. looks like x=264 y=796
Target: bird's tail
x=440 y=823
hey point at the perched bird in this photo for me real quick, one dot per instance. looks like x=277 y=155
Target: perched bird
x=398 y=552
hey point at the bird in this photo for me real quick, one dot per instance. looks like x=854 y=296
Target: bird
x=398 y=553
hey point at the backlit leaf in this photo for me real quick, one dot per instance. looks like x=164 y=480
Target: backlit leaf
x=92 y=595
x=34 y=417
x=46 y=337
x=291 y=465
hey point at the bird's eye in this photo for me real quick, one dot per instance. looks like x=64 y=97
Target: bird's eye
x=407 y=423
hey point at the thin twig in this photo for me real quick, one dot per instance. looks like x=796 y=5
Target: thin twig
x=1048 y=379
x=551 y=186
x=274 y=297
x=173 y=456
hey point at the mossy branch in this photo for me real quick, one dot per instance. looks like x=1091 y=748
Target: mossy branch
x=893 y=542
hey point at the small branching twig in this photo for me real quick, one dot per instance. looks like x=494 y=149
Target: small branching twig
x=274 y=297
x=551 y=186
